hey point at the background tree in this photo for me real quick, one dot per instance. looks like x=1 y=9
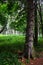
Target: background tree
x=40 y=13
x=36 y=25
x=3 y=19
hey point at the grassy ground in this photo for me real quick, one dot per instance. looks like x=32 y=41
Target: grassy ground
x=16 y=42
x=9 y=45
x=39 y=46
x=12 y=42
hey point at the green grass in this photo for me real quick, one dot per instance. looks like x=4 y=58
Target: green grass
x=39 y=46
x=9 y=45
x=12 y=42
x=8 y=58
x=16 y=42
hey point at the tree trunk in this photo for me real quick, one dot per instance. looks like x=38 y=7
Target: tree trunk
x=36 y=25
x=29 y=49
x=40 y=13
x=3 y=28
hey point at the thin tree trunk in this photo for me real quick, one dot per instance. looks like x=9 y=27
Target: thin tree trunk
x=29 y=49
x=36 y=25
x=3 y=28
x=40 y=13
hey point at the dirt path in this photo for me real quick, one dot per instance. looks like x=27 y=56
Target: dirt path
x=37 y=61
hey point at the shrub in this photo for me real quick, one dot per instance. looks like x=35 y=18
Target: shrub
x=7 y=58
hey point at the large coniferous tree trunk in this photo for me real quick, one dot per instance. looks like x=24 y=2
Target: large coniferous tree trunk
x=29 y=49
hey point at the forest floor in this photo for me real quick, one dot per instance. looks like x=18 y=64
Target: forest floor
x=36 y=61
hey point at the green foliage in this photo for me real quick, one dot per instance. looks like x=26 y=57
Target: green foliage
x=19 y=25
x=39 y=47
x=19 y=18
x=1 y=1
x=15 y=7
x=8 y=58
x=3 y=19
x=16 y=10
x=9 y=6
x=9 y=45
x=3 y=8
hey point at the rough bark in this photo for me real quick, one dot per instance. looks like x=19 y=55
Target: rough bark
x=29 y=49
